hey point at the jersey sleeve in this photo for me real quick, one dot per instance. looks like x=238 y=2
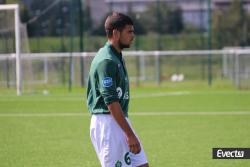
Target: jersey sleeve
x=106 y=76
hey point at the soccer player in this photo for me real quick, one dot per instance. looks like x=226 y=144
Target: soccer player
x=112 y=136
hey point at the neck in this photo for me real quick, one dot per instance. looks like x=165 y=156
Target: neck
x=115 y=45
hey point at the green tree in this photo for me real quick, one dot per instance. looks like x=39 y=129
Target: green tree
x=175 y=23
x=87 y=18
x=230 y=26
x=138 y=26
x=170 y=17
x=99 y=30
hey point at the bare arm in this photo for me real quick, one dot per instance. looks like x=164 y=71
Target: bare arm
x=116 y=111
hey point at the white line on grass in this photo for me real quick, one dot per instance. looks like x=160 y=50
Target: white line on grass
x=160 y=94
x=44 y=114
x=52 y=98
x=189 y=113
x=132 y=114
x=134 y=95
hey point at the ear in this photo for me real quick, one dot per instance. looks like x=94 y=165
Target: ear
x=116 y=34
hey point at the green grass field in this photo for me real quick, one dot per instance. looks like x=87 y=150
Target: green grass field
x=178 y=127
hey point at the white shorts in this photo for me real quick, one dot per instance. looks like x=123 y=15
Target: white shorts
x=110 y=143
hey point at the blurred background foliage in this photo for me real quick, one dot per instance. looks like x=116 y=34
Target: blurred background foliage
x=52 y=24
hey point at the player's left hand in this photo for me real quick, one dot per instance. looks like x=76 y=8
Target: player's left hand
x=134 y=144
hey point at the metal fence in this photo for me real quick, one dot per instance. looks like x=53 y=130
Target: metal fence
x=144 y=67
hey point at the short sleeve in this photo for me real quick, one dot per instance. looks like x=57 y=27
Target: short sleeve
x=106 y=76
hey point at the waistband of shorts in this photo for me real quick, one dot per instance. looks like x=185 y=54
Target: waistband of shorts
x=105 y=113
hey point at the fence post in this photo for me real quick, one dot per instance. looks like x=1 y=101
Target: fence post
x=137 y=61
x=158 y=67
x=159 y=47
x=237 y=70
x=18 y=53
x=209 y=43
x=225 y=64
x=46 y=70
x=81 y=34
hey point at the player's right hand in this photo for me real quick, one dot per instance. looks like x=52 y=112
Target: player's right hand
x=134 y=144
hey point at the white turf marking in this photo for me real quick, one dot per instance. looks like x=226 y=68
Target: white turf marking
x=147 y=95
x=189 y=113
x=132 y=114
x=81 y=98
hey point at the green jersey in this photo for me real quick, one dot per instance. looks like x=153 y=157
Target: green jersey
x=108 y=81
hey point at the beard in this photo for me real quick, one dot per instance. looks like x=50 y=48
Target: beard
x=122 y=46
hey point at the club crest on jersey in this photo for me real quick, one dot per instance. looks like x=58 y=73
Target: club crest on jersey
x=118 y=164
x=107 y=82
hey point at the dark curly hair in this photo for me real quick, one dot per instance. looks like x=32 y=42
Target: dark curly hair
x=116 y=21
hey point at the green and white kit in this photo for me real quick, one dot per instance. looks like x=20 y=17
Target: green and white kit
x=108 y=82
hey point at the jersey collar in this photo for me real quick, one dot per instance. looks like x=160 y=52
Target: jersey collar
x=119 y=55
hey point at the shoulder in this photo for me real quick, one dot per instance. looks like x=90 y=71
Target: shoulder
x=105 y=57
x=104 y=60
x=106 y=64
x=104 y=53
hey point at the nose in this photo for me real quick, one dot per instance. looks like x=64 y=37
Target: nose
x=132 y=39
x=133 y=36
